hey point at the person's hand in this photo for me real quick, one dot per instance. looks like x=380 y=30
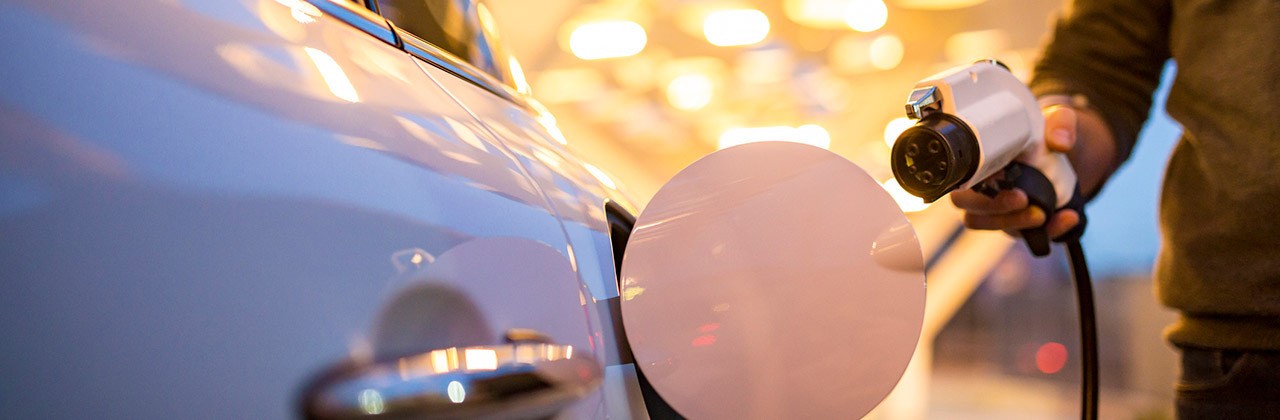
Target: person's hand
x=1080 y=133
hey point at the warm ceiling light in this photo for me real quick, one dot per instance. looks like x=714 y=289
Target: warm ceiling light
x=810 y=134
x=936 y=4
x=895 y=127
x=727 y=28
x=607 y=39
x=690 y=92
x=886 y=52
x=866 y=15
x=907 y=202
x=821 y=14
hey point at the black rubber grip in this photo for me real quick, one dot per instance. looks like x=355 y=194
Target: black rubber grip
x=1076 y=203
x=1040 y=193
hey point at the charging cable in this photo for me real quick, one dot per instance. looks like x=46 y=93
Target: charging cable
x=1088 y=330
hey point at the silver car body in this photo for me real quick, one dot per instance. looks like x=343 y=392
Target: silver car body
x=204 y=203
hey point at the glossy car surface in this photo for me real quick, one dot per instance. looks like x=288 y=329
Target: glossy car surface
x=205 y=204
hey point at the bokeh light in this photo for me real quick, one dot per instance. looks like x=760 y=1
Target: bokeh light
x=690 y=92
x=1051 y=357
x=607 y=39
x=727 y=28
x=866 y=15
x=886 y=52
x=821 y=14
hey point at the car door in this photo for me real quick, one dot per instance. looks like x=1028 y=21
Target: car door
x=458 y=47
x=207 y=204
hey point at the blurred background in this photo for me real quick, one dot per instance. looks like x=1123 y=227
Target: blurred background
x=645 y=87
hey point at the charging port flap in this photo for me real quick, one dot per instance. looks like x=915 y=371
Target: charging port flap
x=773 y=280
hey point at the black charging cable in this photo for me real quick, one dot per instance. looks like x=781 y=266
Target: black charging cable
x=1040 y=193
x=1088 y=331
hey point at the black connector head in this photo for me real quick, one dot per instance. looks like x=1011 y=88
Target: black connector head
x=934 y=156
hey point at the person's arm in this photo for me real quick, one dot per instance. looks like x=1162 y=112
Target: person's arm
x=1096 y=77
x=1110 y=52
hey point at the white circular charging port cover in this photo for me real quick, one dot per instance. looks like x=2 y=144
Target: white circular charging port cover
x=773 y=280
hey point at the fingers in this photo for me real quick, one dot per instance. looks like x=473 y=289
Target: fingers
x=1063 y=221
x=1060 y=128
x=1022 y=219
x=972 y=202
x=1009 y=212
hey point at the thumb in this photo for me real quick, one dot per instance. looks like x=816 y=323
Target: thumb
x=1060 y=128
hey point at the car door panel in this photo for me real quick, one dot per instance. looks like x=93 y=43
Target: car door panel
x=577 y=197
x=199 y=214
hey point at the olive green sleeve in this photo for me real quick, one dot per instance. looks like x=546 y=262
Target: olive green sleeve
x=1112 y=52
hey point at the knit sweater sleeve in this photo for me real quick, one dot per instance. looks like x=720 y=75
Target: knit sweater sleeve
x=1112 y=52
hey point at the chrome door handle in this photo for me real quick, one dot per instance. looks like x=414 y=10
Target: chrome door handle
x=519 y=380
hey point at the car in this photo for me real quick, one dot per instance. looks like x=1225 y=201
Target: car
x=329 y=209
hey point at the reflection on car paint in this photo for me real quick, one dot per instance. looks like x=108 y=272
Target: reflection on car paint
x=411 y=259
x=333 y=76
x=202 y=180
x=464 y=297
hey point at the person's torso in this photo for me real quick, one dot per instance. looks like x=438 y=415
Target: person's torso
x=1222 y=190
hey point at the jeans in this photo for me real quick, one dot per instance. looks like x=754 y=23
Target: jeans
x=1228 y=384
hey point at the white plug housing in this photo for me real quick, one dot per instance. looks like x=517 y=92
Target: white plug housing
x=1004 y=117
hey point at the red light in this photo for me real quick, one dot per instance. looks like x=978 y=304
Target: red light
x=703 y=341
x=706 y=328
x=1051 y=357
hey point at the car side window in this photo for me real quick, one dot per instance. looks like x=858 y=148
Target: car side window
x=461 y=27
